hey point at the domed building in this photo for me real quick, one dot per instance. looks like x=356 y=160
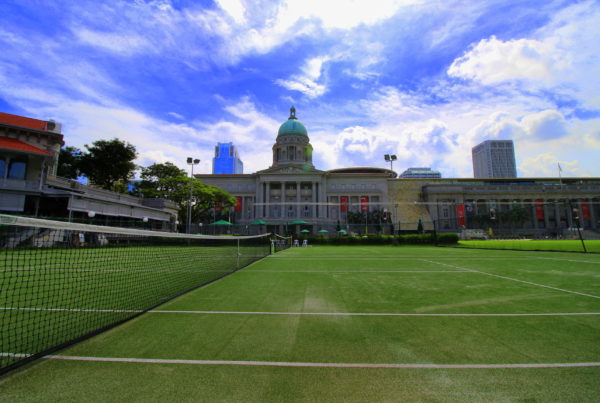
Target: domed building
x=293 y=191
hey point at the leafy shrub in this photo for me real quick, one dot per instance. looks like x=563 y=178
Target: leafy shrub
x=447 y=238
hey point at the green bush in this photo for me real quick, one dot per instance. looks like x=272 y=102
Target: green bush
x=407 y=239
x=447 y=238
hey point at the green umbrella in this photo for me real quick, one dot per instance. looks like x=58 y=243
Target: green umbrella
x=305 y=230
x=298 y=222
x=343 y=231
x=323 y=230
x=259 y=222
x=221 y=222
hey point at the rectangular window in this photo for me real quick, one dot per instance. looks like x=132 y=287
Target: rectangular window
x=17 y=168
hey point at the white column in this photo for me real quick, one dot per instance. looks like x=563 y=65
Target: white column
x=268 y=200
x=298 y=200
x=283 y=206
x=313 y=198
x=258 y=199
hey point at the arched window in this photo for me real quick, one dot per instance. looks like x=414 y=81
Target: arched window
x=291 y=153
x=17 y=168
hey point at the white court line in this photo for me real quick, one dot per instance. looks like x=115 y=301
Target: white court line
x=330 y=257
x=323 y=364
x=307 y=313
x=378 y=313
x=356 y=271
x=567 y=260
x=514 y=279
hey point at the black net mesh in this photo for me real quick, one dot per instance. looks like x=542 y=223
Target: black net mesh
x=281 y=242
x=60 y=283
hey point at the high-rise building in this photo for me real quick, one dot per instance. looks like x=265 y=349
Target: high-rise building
x=494 y=159
x=227 y=160
x=420 y=172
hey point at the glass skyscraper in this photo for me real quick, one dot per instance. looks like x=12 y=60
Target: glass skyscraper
x=227 y=160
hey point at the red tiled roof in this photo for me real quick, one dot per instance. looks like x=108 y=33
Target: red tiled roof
x=18 y=145
x=22 y=121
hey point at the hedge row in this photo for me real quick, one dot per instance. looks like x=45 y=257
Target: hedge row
x=408 y=239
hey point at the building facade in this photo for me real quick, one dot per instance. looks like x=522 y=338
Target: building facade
x=29 y=150
x=227 y=160
x=420 y=172
x=292 y=189
x=494 y=159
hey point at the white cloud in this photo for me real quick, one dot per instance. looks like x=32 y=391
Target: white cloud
x=176 y=115
x=126 y=44
x=561 y=57
x=537 y=127
x=493 y=61
x=307 y=81
x=341 y=14
x=546 y=164
x=545 y=125
x=234 y=8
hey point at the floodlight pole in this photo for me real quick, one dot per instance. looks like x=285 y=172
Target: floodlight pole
x=390 y=158
x=192 y=162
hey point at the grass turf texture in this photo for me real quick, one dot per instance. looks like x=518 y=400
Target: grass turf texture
x=535 y=245
x=417 y=280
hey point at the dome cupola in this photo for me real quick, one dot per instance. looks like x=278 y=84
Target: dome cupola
x=292 y=126
x=292 y=146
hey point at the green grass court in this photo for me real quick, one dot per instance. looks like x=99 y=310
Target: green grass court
x=360 y=323
x=567 y=245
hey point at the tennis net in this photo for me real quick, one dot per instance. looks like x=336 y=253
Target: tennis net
x=281 y=242
x=61 y=283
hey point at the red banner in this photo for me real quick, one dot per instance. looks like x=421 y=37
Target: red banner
x=218 y=206
x=585 y=209
x=344 y=203
x=539 y=209
x=364 y=203
x=238 y=204
x=460 y=214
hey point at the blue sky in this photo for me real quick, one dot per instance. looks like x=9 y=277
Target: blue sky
x=425 y=80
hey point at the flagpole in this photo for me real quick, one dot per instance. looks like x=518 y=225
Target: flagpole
x=559 y=174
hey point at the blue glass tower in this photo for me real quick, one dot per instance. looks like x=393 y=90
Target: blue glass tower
x=227 y=160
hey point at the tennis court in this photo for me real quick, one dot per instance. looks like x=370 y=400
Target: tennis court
x=364 y=323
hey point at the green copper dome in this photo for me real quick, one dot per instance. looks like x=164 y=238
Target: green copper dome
x=292 y=125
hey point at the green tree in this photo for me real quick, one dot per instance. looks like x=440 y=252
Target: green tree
x=109 y=164
x=69 y=162
x=161 y=180
x=169 y=182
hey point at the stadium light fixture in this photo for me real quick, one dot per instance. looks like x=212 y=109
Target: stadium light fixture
x=390 y=158
x=191 y=161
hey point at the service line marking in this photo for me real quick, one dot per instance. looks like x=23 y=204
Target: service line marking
x=377 y=313
x=568 y=260
x=356 y=271
x=323 y=364
x=513 y=279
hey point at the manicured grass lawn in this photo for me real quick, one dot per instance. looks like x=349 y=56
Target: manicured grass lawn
x=355 y=305
x=535 y=245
